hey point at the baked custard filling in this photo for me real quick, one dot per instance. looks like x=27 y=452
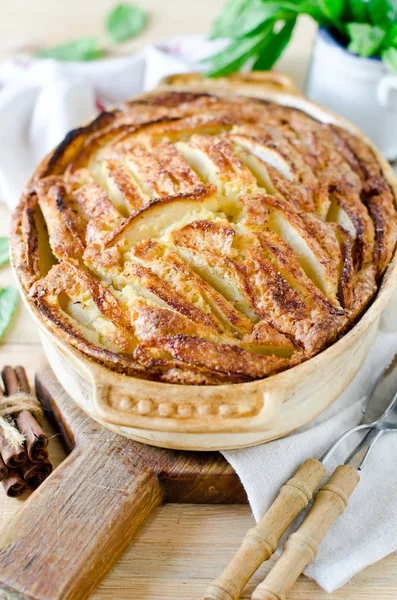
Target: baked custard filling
x=188 y=238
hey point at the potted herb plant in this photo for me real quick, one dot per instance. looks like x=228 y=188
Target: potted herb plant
x=354 y=65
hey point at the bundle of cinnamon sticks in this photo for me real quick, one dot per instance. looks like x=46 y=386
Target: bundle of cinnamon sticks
x=24 y=459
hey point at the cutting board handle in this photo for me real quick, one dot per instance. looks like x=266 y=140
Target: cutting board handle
x=59 y=545
x=74 y=527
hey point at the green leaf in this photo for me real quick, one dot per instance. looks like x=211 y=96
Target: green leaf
x=332 y=9
x=235 y=56
x=4 y=251
x=8 y=302
x=382 y=12
x=357 y=10
x=241 y=17
x=272 y=50
x=365 y=39
x=393 y=5
x=125 y=21
x=390 y=37
x=231 y=11
x=83 y=49
x=390 y=59
x=256 y=14
x=312 y=8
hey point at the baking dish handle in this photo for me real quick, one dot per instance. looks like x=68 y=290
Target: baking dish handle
x=127 y=402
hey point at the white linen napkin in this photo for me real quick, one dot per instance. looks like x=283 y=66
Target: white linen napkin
x=39 y=102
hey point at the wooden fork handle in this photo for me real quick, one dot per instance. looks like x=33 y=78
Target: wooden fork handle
x=301 y=547
x=260 y=542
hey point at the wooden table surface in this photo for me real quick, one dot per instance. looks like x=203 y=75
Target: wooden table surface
x=182 y=547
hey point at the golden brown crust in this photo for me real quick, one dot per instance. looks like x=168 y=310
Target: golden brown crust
x=194 y=239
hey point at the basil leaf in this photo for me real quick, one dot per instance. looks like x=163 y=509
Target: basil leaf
x=231 y=11
x=125 y=21
x=272 y=50
x=391 y=37
x=240 y=18
x=365 y=39
x=312 y=8
x=357 y=11
x=237 y=53
x=390 y=59
x=257 y=13
x=332 y=9
x=8 y=302
x=4 y=251
x=83 y=49
x=382 y=12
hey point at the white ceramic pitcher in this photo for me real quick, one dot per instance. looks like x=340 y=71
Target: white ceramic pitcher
x=363 y=90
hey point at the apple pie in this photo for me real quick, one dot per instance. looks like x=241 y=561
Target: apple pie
x=189 y=238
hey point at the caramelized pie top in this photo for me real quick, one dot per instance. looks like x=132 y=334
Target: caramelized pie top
x=193 y=239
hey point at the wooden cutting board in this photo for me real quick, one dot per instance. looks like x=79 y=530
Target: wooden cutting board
x=71 y=531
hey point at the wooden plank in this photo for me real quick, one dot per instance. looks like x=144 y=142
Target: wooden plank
x=182 y=548
x=187 y=559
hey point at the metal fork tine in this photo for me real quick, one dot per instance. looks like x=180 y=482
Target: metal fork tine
x=331 y=449
x=358 y=457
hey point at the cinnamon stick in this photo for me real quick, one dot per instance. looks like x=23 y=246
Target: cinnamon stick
x=35 y=439
x=3 y=470
x=34 y=473
x=10 y=380
x=14 y=485
x=13 y=457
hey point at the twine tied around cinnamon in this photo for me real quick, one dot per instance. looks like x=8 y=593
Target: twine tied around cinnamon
x=13 y=405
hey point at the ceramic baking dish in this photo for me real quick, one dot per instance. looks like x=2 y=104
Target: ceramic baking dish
x=233 y=415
